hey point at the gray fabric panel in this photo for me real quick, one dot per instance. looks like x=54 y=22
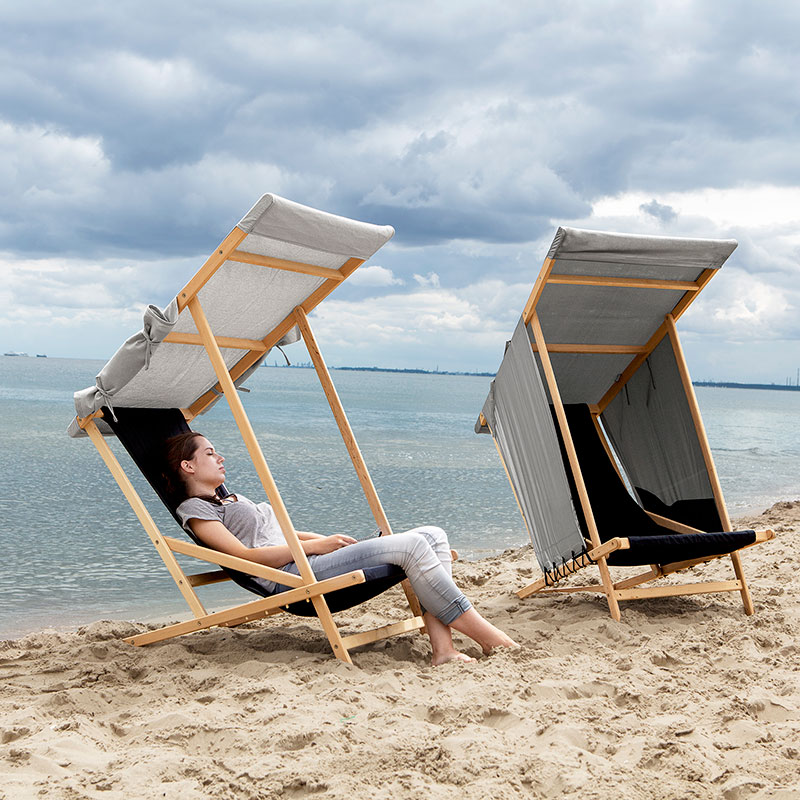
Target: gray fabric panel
x=602 y=314
x=651 y=427
x=586 y=377
x=615 y=269
x=248 y=301
x=626 y=248
x=518 y=414
x=278 y=218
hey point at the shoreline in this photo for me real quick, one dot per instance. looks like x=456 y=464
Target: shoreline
x=685 y=697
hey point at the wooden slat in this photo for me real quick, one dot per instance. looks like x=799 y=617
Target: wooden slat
x=702 y=438
x=613 y=349
x=290 y=266
x=206 y=578
x=384 y=632
x=232 y=562
x=653 y=341
x=572 y=456
x=144 y=517
x=342 y=422
x=672 y=524
x=277 y=333
x=538 y=288
x=623 y=283
x=680 y=590
x=264 y=474
x=249 y=611
x=364 y=478
x=642 y=577
x=595 y=553
x=213 y=263
x=256 y=345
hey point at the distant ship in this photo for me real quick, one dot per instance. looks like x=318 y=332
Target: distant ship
x=16 y=354
x=41 y=355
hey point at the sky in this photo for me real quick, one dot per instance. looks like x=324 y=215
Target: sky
x=134 y=135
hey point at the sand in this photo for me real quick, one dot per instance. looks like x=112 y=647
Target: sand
x=685 y=698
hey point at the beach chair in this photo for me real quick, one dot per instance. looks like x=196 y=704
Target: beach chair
x=596 y=421
x=253 y=293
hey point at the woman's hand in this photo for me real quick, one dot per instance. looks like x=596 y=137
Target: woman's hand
x=327 y=544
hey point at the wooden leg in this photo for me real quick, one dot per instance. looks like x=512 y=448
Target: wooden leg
x=747 y=600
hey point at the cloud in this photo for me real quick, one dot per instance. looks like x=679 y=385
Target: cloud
x=127 y=153
x=374 y=276
x=659 y=211
x=431 y=279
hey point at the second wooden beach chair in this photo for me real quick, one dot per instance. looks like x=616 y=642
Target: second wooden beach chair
x=597 y=424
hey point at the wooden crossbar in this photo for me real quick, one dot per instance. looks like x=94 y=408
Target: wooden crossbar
x=384 y=632
x=250 y=611
x=281 y=263
x=232 y=562
x=255 y=345
x=623 y=283
x=624 y=349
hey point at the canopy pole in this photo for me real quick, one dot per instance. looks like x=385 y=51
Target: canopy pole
x=350 y=442
x=569 y=445
x=267 y=481
x=716 y=487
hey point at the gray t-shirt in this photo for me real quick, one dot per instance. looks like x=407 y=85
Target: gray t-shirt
x=254 y=525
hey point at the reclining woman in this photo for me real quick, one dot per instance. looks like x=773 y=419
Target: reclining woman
x=239 y=527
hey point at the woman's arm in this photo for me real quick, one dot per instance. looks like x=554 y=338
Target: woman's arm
x=215 y=535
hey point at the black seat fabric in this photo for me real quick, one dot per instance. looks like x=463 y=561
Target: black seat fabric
x=143 y=432
x=616 y=513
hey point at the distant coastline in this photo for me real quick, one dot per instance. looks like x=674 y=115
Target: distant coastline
x=732 y=385
x=406 y=371
x=409 y=371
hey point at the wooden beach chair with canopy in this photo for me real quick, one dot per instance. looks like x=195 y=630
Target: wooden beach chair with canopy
x=596 y=421
x=254 y=292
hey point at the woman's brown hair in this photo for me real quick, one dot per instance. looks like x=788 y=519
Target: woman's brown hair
x=181 y=448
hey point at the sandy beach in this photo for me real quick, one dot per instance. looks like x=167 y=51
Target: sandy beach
x=685 y=698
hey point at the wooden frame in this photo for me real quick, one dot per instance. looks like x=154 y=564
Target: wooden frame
x=305 y=586
x=629 y=588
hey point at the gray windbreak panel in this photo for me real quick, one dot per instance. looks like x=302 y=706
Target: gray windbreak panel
x=518 y=415
x=650 y=424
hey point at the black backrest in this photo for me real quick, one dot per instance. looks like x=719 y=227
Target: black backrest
x=616 y=513
x=143 y=432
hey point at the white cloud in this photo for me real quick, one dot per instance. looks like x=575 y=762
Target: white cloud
x=374 y=276
x=431 y=279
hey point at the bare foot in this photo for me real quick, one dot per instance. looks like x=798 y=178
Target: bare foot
x=505 y=641
x=444 y=658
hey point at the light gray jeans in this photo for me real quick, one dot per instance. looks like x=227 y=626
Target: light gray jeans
x=422 y=553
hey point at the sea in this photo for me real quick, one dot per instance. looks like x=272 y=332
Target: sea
x=73 y=551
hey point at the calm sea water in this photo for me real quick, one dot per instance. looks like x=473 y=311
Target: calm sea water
x=74 y=552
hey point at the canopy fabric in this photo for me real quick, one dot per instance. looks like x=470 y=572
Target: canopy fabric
x=518 y=415
x=240 y=300
x=573 y=313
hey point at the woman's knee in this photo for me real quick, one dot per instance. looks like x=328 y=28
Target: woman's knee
x=436 y=536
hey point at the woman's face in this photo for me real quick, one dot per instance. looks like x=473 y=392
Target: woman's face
x=205 y=466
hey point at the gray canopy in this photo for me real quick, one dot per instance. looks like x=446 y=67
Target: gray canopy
x=283 y=243
x=602 y=292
